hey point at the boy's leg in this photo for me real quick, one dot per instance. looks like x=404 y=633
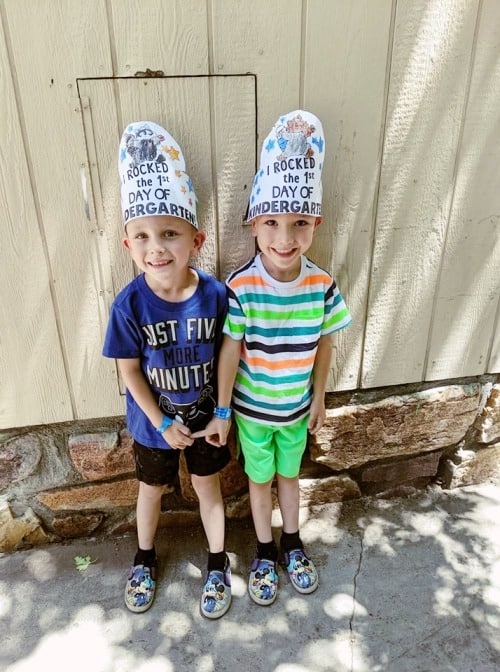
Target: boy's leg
x=263 y=579
x=262 y=508
x=257 y=446
x=289 y=500
x=148 y=513
x=208 y=491
x=141 y=581
x=290 y=445
x=204 y=462
x=155 y=468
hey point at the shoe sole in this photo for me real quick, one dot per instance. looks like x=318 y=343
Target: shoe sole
x=141 y=609
x=260 y=601
x=304 y=591
x=214 y=615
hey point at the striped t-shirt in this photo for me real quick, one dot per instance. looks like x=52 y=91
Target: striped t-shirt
x=280 y=324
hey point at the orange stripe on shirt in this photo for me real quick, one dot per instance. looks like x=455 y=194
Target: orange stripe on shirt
x=276 y=365
x=315 y=280
x=257 y=280
x=245 y=280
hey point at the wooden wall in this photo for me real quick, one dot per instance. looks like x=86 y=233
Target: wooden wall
x=409 y=95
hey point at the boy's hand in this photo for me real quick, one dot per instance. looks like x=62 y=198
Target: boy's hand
x=178 y=436
x=215 y=432
x=317 y=415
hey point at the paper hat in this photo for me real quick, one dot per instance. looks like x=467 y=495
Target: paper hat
x=152 y=175
x=291 y=161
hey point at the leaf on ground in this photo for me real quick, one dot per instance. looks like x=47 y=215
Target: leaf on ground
x=82 y=562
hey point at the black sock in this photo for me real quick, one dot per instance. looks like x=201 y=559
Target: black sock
x=143 y=557
x=290 y=541
x=267 y=551
x=217 y=561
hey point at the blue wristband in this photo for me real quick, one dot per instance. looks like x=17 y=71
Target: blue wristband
x=222 y=412
x=166 y=422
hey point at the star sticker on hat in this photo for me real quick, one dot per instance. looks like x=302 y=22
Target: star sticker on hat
x=174 y=153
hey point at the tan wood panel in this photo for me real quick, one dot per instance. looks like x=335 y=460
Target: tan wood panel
x=166 y=35
x=427 y=94
x=344 y=83
x=418 y=244
x=53 y=43
x=234 y=150
x=262 y=38
x=464 y=326
x=103 y=195
x=33 y=388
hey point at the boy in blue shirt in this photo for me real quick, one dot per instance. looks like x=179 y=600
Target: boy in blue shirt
x=165 y=331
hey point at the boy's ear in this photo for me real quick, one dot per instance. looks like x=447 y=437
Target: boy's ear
x=253 y=224
x=318 y=222
x=126 y=243
x=198 y=240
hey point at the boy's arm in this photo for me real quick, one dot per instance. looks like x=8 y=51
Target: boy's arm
x=177 y=435
x=321 y=369
x=229 y=357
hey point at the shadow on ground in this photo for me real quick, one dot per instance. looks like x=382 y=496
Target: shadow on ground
x=406 y=585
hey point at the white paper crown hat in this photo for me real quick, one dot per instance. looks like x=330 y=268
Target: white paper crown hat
x=152 y=175
x=291 y=162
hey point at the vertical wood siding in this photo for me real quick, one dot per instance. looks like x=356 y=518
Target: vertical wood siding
x=408 y=92
x=430 y=73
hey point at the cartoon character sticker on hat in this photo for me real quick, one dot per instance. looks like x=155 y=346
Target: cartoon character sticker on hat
x=293 y=138
x=291 y=162
x=152 y=173
x=142 y=145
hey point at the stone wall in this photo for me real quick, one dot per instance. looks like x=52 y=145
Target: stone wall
x=77 y=479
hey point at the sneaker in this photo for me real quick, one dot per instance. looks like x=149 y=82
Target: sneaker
x=140 y=588
x=263 y=581
x=301 y=570
x=216 y=593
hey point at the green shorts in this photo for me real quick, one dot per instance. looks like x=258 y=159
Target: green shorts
x=271 y=450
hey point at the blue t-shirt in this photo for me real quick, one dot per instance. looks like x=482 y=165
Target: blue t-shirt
x=177 y=344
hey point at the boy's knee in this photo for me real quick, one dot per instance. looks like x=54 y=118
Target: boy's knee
x=201 y=483
x=151 y=491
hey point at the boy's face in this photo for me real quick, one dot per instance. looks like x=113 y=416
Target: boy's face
x=282 y=239
x=162 y=246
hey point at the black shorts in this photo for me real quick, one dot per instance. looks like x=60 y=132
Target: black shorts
x=158 y=466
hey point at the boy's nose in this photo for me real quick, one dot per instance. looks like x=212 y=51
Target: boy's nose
x=285 y=235
x=158 y=244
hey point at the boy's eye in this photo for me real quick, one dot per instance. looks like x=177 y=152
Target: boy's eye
x=301 y=222
x=140 y=236
x=270 y=222
x=169 y=234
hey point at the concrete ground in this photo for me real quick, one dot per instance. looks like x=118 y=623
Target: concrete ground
x=407 y=585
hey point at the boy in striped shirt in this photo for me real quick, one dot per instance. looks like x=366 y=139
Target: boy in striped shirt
x=275 y=358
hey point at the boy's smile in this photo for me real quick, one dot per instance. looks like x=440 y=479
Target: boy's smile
x=282 y=239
